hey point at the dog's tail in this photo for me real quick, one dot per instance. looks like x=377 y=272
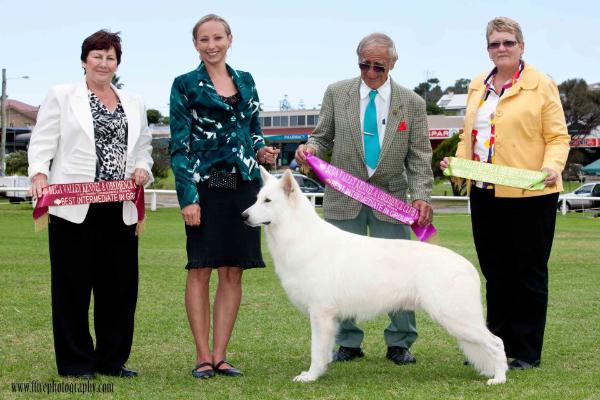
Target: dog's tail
x=486 y=354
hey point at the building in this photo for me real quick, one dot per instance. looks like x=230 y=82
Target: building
x=455 y=104
x=20 y=115
x=288 y=129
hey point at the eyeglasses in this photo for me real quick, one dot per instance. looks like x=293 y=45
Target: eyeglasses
x=365 y=66
x=509 y=44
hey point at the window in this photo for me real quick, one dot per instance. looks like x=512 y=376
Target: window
x=267 y=121
x=284 y=121
x=276 y=121
x=310 y=184
x=584 y=190
x=301 y=120
x=310 y=120
x=294 y=120
x=316 y=119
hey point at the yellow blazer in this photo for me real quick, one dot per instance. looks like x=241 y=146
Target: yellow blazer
x=531 y=132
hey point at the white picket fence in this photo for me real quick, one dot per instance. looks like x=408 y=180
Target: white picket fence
x=154 y=193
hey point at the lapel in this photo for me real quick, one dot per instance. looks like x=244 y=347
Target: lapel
x=353 y=115
x=80 y=105
x=395 y=116
x=133 y=119
x=208 y=91
x=527 y=81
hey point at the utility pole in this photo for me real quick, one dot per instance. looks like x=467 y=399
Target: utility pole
x=3 y=141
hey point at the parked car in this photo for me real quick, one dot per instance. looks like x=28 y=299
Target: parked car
x=582 y=193
x=307 y=185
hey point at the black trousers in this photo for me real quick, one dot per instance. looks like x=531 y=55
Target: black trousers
x=99 y=255
x=513 y=239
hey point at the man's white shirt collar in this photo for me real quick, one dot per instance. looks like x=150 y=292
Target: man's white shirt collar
x=384 y=90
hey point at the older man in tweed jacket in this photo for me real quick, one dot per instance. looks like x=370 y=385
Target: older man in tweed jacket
x=353 y=112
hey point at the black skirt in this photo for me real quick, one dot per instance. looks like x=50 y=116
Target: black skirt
x=222 y=239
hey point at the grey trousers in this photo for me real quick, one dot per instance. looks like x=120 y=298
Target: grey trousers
x=402 y=330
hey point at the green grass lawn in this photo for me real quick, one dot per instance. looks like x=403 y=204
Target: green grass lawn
x=271 y=341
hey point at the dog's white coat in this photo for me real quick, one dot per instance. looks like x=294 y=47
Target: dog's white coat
x=331 y=274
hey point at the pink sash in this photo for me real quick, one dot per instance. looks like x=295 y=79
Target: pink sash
x=68 y=194
x=370 y=195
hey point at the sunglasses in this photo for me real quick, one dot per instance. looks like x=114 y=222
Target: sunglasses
x=365 y=66
x=508 y=44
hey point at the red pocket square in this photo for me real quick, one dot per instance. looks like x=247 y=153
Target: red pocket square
x=402 y=126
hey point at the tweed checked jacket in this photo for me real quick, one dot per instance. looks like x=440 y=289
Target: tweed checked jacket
x=405 y=161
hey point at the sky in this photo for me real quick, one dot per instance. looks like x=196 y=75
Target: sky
x=291 y=48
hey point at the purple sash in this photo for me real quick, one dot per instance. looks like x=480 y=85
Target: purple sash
x=370 y=195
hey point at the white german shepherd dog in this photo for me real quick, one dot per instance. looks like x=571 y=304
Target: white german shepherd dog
x=332 y=275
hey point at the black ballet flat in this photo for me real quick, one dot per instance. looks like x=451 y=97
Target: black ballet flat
x=204 y=374
x=227 y=371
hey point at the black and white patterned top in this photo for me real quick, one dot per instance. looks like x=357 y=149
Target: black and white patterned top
x=110 y=134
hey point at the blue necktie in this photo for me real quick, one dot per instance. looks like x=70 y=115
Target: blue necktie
x=371 y=135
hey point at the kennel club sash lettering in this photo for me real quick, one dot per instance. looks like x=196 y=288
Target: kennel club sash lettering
x=494 y=173
x=369 y=195
x=69 y=194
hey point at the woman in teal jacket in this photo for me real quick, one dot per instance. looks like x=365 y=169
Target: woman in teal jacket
x=217 y=144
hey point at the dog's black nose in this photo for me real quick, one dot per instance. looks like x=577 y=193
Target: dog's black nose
x=244 y=216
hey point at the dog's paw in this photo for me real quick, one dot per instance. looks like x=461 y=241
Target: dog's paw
x=305 y=376
x=496 y=380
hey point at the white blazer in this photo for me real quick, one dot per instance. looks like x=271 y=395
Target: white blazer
x=62 y=144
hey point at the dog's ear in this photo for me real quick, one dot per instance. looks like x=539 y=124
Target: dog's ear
x=264 y=174
x=288 y=183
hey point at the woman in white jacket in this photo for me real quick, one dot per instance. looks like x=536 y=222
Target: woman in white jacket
x=89 y=132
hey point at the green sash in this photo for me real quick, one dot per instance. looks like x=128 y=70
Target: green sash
x=497 y=174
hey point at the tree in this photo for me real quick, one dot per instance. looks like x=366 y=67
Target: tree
x=431 y=92
x=447 y=148
x=461 y=86
x=162 y=158
x=154 y=116
x=115 y=81
x=16 y=163
x=581 y=106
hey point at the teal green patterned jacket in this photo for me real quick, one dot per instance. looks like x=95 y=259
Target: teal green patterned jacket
x=206 y=132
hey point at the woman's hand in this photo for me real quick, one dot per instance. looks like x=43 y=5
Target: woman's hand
x=551 y=178
x=141 y=176
x=267 y=155
x=191 y=214
x=38 y=182
x=444 y=163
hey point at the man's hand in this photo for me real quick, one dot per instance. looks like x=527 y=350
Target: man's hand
x=425 y=212
x=300 y=156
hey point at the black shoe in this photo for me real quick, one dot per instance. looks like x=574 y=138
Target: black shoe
x=121 y=373
x=520 y=364
x=347 y=353
x=400 y=355
x=205 y=373
x=233 y=371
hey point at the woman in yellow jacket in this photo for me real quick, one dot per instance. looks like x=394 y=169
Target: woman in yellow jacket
x=514 y=118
